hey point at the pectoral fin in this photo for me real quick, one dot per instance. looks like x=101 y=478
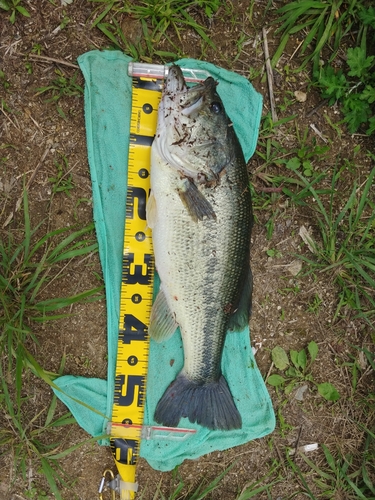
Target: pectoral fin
x=151 y=211
x=240 y=318
x=162 y=321
x=195 y=202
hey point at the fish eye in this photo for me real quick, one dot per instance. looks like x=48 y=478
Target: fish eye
x=216 y=107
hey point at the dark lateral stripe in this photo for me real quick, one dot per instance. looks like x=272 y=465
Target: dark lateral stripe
x=141 y=140
x=139 y=83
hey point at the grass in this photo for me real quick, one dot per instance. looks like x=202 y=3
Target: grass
x=293 y=177
x=325 y=22
x=203 y=490
x=333 y=473
x=15 y=7
x=346 y=247
x=62 y=86
x=342 y=476
x=325 y=28
x=340 y=205
x=31 y=438
x=28 y=267
x=272 y=179
x=335 y=477
x=62 y=181
x=157 y=20
x=345 y=242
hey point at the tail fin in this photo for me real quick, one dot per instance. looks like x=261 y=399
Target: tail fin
x=210 y=405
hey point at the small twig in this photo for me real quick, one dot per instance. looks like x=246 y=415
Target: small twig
x=335 y=353
x=313 y=111
x=269 y=76
x=28 y=113
x=318 y=132
x=269 y=371
x=280 y=458
x=368 y=370
x=297 y=443
x=9 y=118
x=51 y=59
x=294 y=53
x=11 y=48
x=19 y=201
x=38 y=166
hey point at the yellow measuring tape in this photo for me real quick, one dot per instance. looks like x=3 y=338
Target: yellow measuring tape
x=136 y=290
x=126 y=428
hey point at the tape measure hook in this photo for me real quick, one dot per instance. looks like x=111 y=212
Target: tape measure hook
x=106 y=473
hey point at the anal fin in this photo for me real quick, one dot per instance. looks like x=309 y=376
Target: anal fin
x=162 y=321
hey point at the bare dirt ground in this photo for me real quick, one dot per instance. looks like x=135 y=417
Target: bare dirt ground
x=288 y=310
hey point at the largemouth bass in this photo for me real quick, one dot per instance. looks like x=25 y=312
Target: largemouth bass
x=200 y=214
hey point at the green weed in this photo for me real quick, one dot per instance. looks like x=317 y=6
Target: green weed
x=157 y=20
x=4 y=82
x=270 y=151
x=15 y=7
x=308 y=153
x=297 y=369
x=203 y=490
x=288 y=99
x=88 y=201
x=295 y=290
x=305 y=157
x=29 y=438
x=62 y=182
x=347 y=243
x=270 y=226
x=354 y=89
x=284 y=426
x=274 y=253
x=27 y=268
x=315 y=304
x=37 y=49
x=326 y=23
x=358 y=364
x=62 y=86
x=29 y=68
x=342 y=477
x=34 y=493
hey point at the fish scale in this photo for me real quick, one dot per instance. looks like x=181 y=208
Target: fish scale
x=201 y=301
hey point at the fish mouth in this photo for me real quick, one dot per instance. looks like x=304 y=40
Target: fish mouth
x=193 y=98
x=189 y=99
x=175 y=81
x=187 y=111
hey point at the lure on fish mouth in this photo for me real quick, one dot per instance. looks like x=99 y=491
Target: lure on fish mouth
x=200 y=214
